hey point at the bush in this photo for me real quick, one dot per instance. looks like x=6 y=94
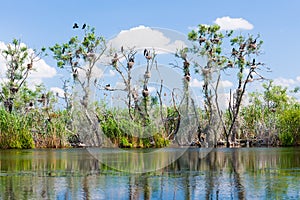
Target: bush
x=289 y=126
x=14 y=132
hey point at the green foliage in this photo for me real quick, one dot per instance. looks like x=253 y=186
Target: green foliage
x=127 y=133
x=33 y=114
x=192 y=35
x=110 y=127
x=160 y=141
x=275 y=96
x=124 y=143
x=19 y=61
x=14 y=131
x=75 y=50
x=275 y=112
x=289 y=126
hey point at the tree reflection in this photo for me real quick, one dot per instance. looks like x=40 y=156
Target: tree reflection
x=223 y=173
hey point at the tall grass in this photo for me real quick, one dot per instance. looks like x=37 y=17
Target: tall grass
x=14 y=131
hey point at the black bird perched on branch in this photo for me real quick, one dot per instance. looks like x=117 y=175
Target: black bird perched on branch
x=130 y=62
x=75 y=26
x=253 y=64
x=252 y=44
x=84 y=25
x=107 y=87
x=234 y=52
x=147 y=54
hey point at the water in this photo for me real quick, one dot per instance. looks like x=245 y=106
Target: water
x=245 y=173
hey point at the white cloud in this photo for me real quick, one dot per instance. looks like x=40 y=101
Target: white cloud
x=32 y=82
x=285 y=82
x=225 y=84
x=145 y=37
x=60 y=92
x=43 y=70
x=196 y=83
x=290 y=84
x=228 y=23
x=96 y=72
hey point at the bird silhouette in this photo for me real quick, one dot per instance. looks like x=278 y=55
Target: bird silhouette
x=145 y=92
x=107 y=87
x=252 y=44
x=147 y=54
x=29 y=66
x=253 y=64
x=115 y=60
x=75 y=74
x=201 y=40
x=84 y=25
x=234 y=52
x=75 y=26
x=130 y=62
x=242 y=46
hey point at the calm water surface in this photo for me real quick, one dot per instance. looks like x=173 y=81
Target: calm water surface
x=245 y=173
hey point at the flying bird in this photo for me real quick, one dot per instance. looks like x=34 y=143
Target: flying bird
x=84 y=25
x=75 y=26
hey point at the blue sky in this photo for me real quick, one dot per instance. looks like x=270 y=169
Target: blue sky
x=44 y=23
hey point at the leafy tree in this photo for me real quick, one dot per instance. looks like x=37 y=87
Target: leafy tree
x=271 y=114
x=210 y=45
x=289 y=126
x=20 y=61
x=79 y=57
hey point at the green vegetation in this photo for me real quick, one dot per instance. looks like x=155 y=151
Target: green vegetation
x=34 y=118
x=15 y=132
